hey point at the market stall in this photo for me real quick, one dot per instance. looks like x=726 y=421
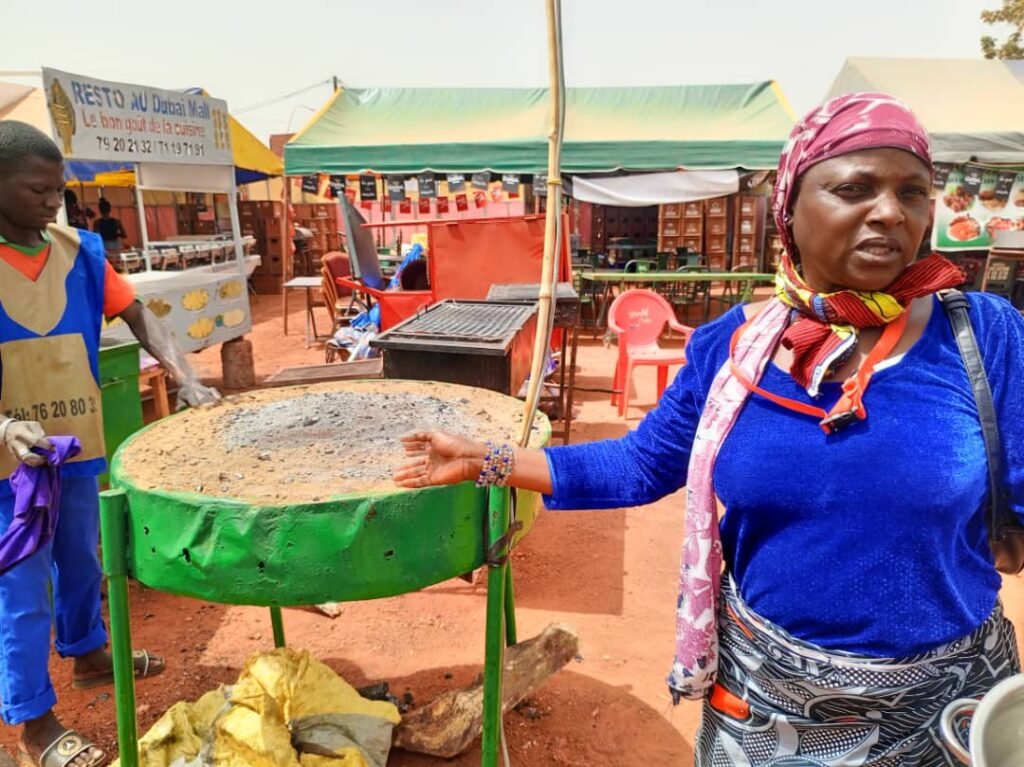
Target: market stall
x=628 y=152
x=186 y=229
x=174 y=142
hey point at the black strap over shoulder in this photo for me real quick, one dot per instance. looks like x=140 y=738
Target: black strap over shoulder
x=956 y=306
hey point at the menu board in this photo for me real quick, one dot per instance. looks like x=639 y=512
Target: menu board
x=974 y=206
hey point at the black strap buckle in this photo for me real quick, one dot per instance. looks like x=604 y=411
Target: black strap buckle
x=836 y=422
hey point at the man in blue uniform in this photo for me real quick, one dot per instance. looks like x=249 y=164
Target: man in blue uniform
x=55 y=288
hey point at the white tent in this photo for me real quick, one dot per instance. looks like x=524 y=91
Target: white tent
x=972 y=108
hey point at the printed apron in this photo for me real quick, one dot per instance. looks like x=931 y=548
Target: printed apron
x=48 y=378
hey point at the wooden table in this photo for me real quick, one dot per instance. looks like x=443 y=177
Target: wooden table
x=610 y=278
x=301 y=283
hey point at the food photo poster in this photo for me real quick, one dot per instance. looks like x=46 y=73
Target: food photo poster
x=974 y=204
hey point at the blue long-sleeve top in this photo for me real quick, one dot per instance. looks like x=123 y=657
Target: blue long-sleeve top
x=871 y=541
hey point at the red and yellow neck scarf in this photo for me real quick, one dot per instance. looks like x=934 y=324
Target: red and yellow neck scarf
x=824 y=333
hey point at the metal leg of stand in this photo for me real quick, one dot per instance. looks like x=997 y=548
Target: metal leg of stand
x=277 y=624
x=573 y=345
x=510 y=608
x=494 y=661
x=114 y=532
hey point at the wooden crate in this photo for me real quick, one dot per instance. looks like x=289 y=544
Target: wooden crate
x=749 y=231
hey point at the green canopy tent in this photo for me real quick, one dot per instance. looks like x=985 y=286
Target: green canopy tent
x=504 y=130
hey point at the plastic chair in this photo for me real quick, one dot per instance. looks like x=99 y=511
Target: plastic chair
x=732 y=292
x=689 y=257
x=640 y=265
x=689 y=294
x=342 y=303
x=638 y=317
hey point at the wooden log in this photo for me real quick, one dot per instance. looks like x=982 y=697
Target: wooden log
x=239 y=369
x=447 y=726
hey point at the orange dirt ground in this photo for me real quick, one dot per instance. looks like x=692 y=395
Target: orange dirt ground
x=611 y=574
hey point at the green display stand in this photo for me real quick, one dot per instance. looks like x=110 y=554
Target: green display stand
x=119 y=390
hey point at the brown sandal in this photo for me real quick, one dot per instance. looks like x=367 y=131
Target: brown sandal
x=145 y=665
x=63 y=751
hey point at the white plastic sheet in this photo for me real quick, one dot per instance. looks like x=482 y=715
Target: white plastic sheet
x=638 y=190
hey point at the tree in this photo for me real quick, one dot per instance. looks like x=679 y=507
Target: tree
x=1011 y=13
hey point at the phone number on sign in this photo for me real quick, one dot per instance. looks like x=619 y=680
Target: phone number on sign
x=151 y=146
x=59 y=408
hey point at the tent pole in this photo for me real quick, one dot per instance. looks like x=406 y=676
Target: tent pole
x=553 y=219
x=143 y=228
x=236 y=226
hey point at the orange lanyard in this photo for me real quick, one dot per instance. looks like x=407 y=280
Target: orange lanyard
x=850 y=406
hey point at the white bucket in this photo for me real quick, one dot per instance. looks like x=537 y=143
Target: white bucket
x=997 y=726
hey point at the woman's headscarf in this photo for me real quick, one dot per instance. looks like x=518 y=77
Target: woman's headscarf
x=845 y=124
x=825 y=333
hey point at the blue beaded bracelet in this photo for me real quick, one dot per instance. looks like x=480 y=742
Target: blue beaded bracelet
x=499 y=461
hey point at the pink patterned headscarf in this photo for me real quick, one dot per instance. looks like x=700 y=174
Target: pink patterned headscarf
x=845 y=124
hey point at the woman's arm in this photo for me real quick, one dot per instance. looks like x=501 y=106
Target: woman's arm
x=439 y=458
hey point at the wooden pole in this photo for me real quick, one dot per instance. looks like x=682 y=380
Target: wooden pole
x=553 y=220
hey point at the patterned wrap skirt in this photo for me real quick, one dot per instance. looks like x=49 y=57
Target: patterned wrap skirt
x=783 y=702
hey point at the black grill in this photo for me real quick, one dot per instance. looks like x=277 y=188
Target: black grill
x=467 y=322
x=477 y=343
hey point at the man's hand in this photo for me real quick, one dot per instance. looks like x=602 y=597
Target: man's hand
x=438 y=458
x=21 y=436
x=157 y=341
x=192 y=393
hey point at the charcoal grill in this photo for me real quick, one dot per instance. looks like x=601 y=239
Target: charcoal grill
x=567 y=318
x=477 y=343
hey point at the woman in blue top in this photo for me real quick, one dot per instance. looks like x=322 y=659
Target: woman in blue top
x=859 y=594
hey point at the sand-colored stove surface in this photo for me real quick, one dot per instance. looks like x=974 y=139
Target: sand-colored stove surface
x=307 y=443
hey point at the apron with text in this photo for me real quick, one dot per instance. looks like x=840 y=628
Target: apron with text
x=49 y=338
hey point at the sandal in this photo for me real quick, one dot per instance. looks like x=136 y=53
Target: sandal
x=145 y=665
x=63 y=751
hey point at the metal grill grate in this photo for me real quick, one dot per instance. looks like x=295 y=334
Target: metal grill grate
x=470 y=322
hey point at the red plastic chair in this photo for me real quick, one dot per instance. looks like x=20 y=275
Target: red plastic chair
x=638 y=317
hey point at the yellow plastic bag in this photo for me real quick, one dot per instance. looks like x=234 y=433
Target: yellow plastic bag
x=281 y=697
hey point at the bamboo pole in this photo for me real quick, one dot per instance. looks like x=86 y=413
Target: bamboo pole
x=553 y=220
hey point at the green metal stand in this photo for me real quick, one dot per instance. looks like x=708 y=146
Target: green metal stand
x=277 y=624
x=500 y=631
x=114 y=532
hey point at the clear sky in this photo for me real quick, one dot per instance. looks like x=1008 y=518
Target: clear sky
x=251 y=52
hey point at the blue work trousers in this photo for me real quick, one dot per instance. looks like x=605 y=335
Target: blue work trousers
x=71 y=563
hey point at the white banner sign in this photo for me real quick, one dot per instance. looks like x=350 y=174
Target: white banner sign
x=117 y=122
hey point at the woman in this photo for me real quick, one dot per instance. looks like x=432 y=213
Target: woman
x=110 y=229
x=859 y=594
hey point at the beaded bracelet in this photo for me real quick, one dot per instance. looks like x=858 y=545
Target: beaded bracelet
x=499 y=461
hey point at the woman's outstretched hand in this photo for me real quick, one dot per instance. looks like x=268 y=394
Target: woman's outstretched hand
x=438 y=458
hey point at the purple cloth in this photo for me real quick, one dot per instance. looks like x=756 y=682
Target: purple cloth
x=36 y=503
